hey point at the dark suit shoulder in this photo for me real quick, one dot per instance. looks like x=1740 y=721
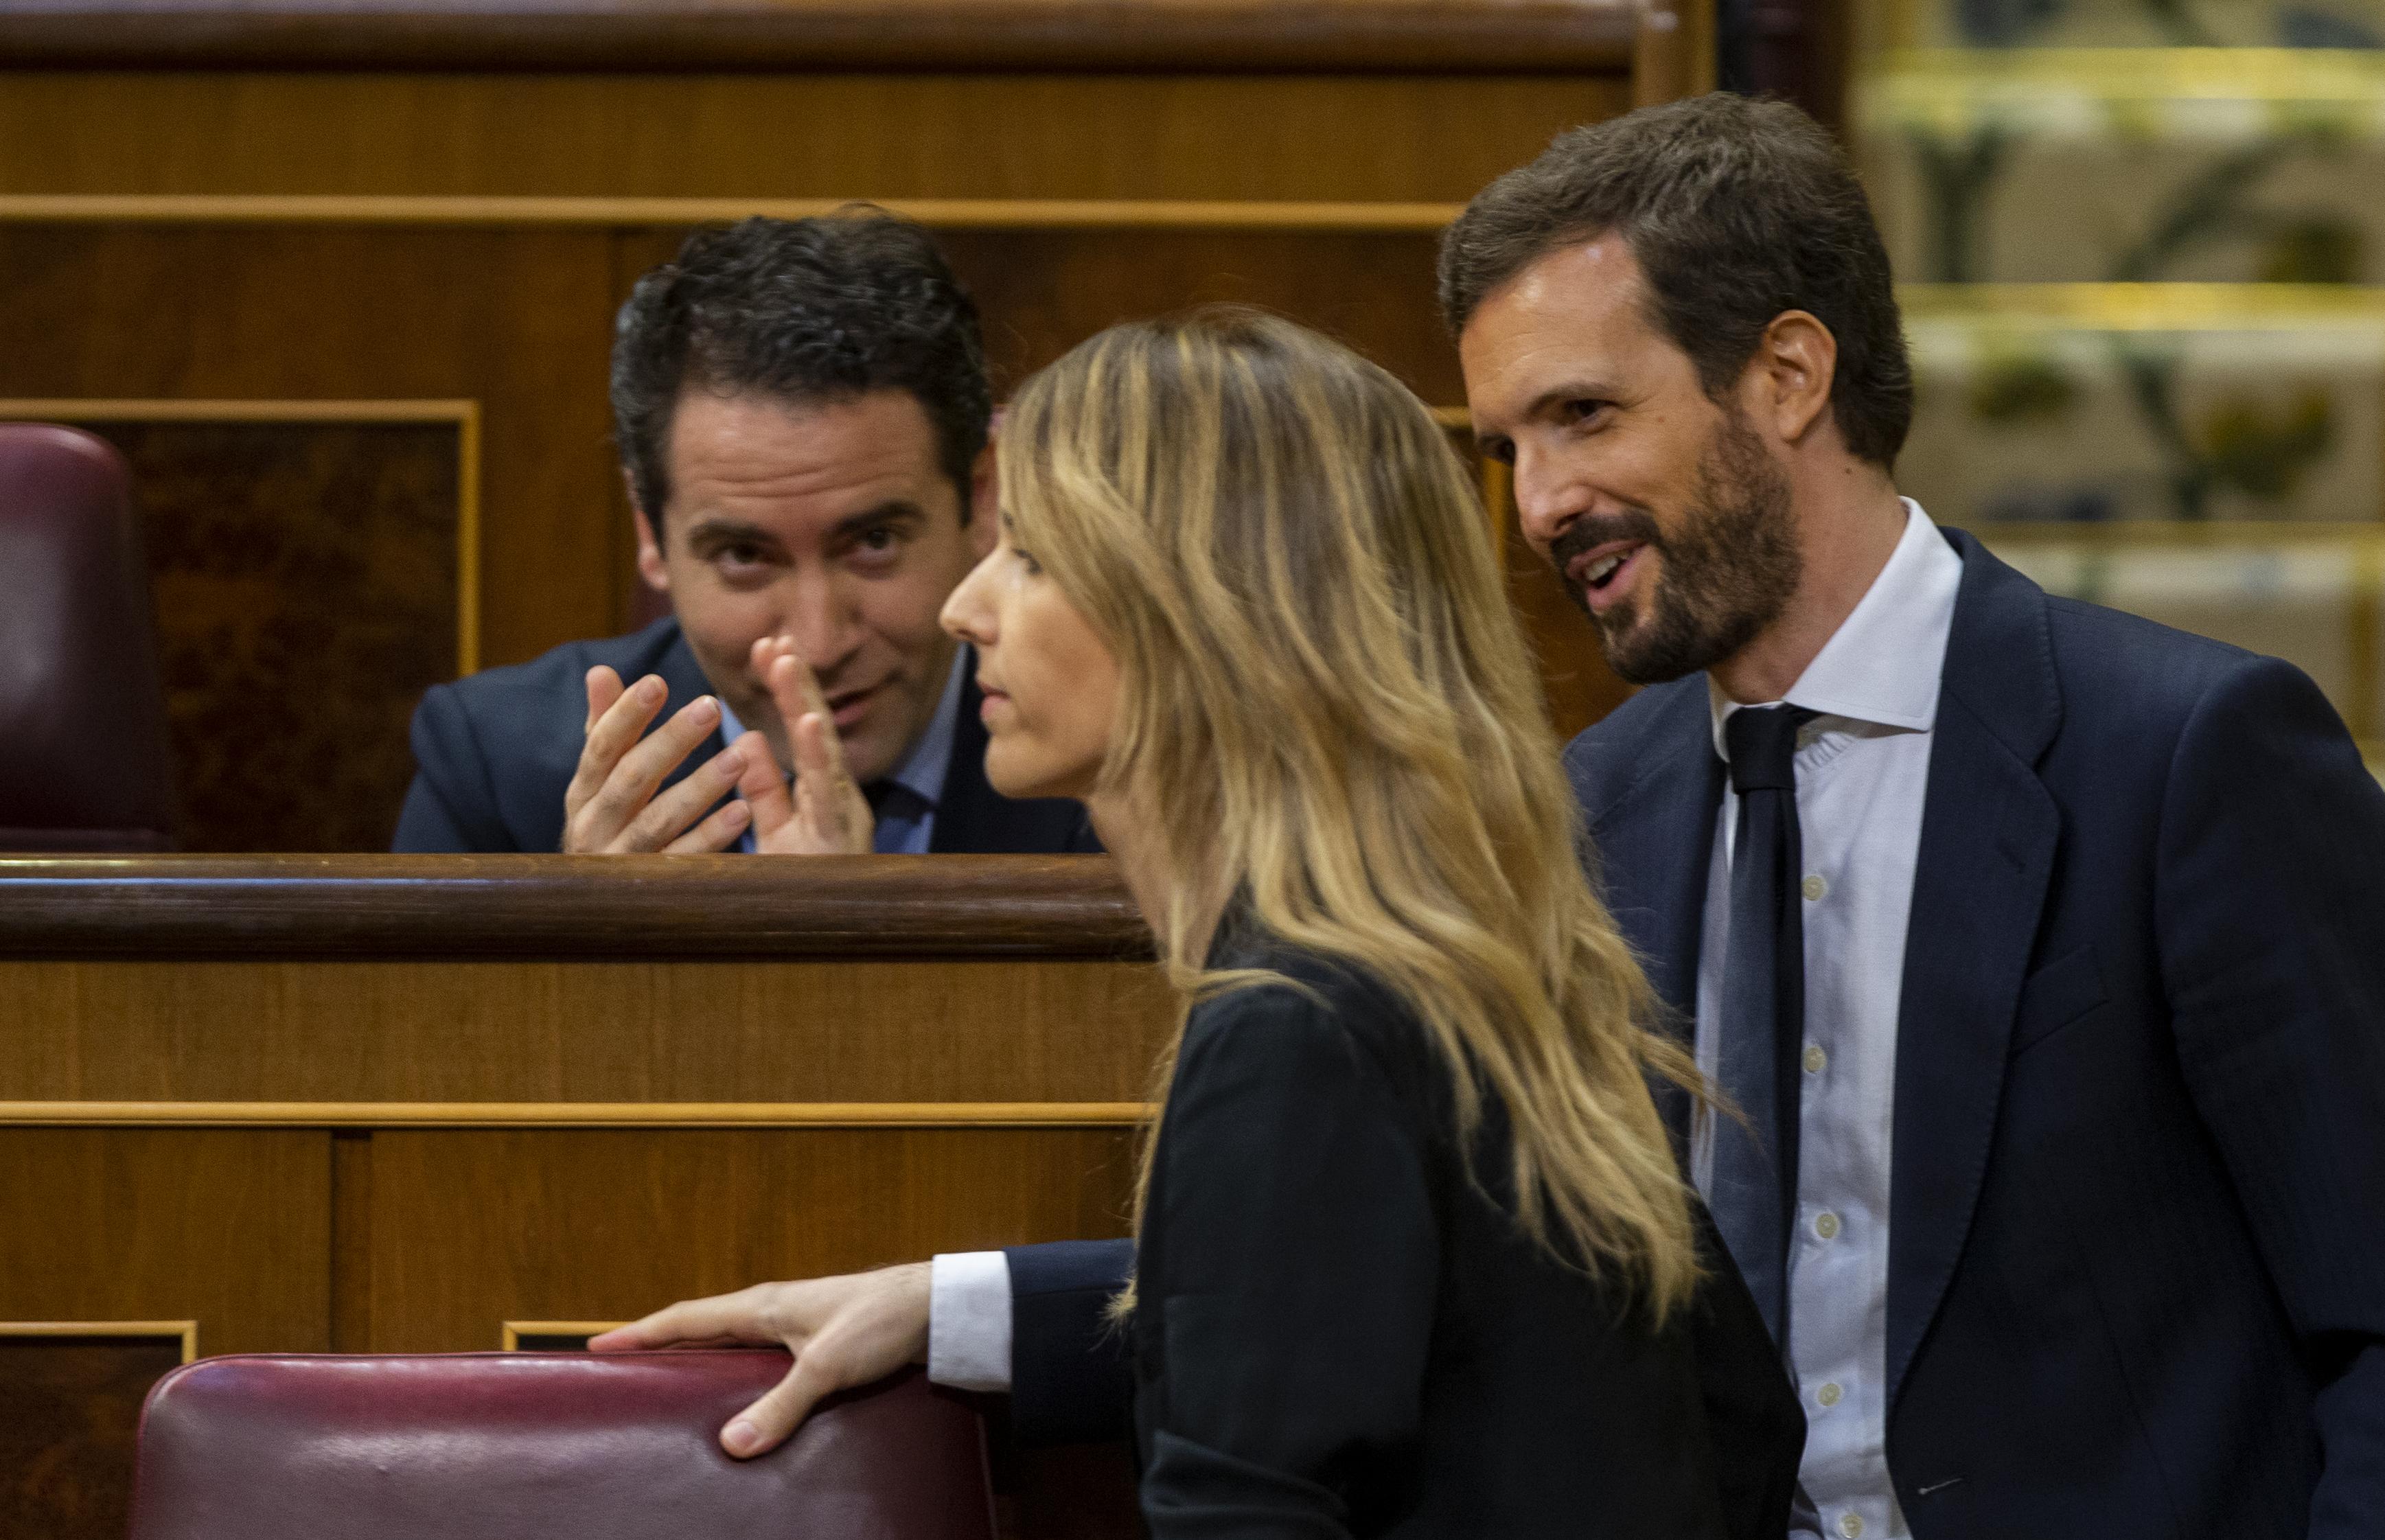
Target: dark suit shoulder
x=1316 y=1001
x=1609 y=759
x=494 y=751
x=2132 y=687
x=558 y=674
x=2096 y=647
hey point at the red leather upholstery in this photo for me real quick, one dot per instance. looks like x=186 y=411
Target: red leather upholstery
x=533 y=1445
x=82 y=721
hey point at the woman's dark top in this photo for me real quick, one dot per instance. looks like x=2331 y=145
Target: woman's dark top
x=1337 y=1333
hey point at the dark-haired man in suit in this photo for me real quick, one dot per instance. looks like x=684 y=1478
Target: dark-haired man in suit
x=2041 y=948
x=802 y=411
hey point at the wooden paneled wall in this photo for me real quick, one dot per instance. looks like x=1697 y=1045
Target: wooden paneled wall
x=440 y=205
x=411 y=1104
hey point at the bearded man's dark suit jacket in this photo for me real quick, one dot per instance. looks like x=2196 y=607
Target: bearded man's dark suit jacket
x=494 y=753
x=2137 y=1237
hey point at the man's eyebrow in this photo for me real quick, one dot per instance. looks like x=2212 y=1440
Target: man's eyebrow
x=721 y=531
x=1570 y=390
x=893 y=510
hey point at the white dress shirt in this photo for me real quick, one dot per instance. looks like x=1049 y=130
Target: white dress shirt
x=1863 y=767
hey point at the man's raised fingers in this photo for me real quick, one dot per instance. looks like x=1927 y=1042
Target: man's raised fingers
x=763 y=785
x=634 y=777
x=793 y=682
x=611 y=733
x=605 y=687
x=672 y=812
x=720 y=829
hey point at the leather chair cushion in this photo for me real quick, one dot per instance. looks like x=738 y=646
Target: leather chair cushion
x=527 y=1445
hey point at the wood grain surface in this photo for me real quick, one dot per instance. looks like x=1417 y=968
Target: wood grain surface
x=1331 y=137
x=70 y=1403
x=470 y=1230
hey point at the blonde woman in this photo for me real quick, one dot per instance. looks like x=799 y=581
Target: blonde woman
x=1414 y=1254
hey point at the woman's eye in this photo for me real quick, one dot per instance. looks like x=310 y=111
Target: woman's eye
x=1027 y=559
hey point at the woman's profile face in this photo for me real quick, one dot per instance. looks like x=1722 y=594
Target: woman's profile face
x=1049 y=683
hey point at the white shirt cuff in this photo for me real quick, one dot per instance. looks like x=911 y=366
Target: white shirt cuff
x=968 y=1320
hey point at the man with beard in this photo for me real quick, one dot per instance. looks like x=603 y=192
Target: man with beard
x=2036 y=947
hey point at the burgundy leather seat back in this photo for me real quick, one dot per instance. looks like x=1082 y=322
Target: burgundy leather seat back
x=533 y=1446
x=82 y=720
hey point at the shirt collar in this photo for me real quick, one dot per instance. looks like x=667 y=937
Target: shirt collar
x=1882 y=665
x=923 y=770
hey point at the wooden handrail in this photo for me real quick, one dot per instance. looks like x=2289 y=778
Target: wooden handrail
x=1172 y=36
x=582 y=907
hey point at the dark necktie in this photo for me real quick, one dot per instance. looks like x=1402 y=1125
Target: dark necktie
x=1763 y=1027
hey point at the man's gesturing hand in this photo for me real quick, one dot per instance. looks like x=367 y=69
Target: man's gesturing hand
x=843 y=1331
x=610 y=808
x=826 y=814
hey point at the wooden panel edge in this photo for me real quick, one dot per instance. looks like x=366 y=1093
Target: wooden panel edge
x=184 y=1332
x=607 y=213
x=614 y=908
x=510 y=1333
x=107 y=408
x=464 y=415
x=572 y=1115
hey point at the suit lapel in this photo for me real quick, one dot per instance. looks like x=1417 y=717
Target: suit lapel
x=1988 y=832
x=1650 y=799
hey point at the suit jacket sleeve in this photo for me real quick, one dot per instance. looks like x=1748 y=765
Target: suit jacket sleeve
x=452 y=807
x=2272 y=924
x=1290 y=1267
x=1070 y=1380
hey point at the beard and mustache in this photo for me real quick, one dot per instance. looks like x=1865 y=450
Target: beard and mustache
x=1728 y=571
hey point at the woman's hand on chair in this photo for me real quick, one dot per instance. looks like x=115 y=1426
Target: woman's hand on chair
x=843 y=1331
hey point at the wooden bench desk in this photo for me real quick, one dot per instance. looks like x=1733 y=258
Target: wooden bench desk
x=409 y=1104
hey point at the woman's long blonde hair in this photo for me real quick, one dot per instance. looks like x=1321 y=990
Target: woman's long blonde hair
x=1327 y=708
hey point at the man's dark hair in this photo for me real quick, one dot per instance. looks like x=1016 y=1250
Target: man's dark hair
x=1736 y=211
x=808 y=311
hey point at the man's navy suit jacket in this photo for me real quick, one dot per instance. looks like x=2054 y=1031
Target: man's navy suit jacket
x=2137 y=1230
x=494 y=753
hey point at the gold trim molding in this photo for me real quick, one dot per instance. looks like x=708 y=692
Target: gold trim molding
x=463 y=414
x=514 y=1331
x=941 y=213
x=184 y=1332
x=572 y=1115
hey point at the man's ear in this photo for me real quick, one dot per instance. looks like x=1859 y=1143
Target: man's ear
x=651 y=565
x=1790 y=376
x=985 y=504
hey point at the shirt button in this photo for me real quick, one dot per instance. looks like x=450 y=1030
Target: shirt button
x=1826 y=1224
x=1815 y=1058
x=1850 y=1525
x=1829 y=1393
x=1814 y=887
